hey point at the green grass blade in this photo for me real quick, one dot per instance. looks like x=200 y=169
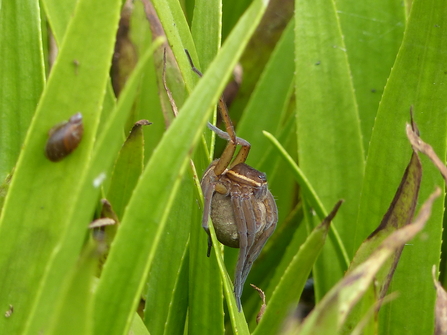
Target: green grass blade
x=142 y=225
x=271 y=94
x=416 y=79
x=206 y=30
x=168 y=259
x=313 y=199
x=177 y=31
x=372 y=32
x=128 y=169
x=48 y=190
x=205 y=313
x=59 y=14
x=330 y=150
x=175 y=323
x=22 y=78
x=75 y=306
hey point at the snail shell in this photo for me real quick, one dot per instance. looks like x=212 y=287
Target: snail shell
x=64 y=138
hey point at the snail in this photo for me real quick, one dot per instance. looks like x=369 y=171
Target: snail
x=64 y=138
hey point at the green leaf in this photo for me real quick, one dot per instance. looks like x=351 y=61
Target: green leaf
x=206 y=30
x=295 y=276
x=169 y=259
x=175 y=323
x=205 y=313
x=177 y=31
x=128 y=168
x=330 y=150
x=345 y=294
x=75 y=303
x=399 y=214
x=135 y=244
x=22 y=79
x=71 y=241
x=59 y=14
x=272 y=93
x=372 y=32
x=49 y=190
x=416 y=79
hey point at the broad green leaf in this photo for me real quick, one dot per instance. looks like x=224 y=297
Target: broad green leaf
x=128 y=168
x=175 y=323
x=179 y=36
x=207 y=29
x=49 y=190
x=372 y=32
x=266 y=106
x=22 y=79
x=294 y=276
x=330 y=150
x=142 y=226
x=168 y=259
x=70 y=243
x=59 y=14
x=256 y=56
x=75 y=306
x=416 y=79
x=205 y=313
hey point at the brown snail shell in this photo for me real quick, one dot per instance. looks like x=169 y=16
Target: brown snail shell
x=64 y=138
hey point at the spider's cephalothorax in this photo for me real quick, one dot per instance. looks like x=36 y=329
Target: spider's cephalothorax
x=237 y=198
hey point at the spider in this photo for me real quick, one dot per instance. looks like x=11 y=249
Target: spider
x=237 y=198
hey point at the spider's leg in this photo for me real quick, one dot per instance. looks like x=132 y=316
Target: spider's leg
x=270 y=225
x=243 y=246
x=208 y=188
x=225 y=135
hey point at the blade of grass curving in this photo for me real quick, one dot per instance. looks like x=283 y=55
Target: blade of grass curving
x=372 y=33
x=145 y=218
x=68 y=248
x=330 y=149
x=48 y=190
x=289 y=288
x=22 y=78
x=416 y=79
x=313 y=199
